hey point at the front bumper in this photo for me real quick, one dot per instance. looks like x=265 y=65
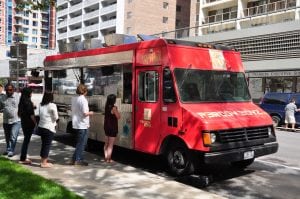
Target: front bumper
x=234 y=155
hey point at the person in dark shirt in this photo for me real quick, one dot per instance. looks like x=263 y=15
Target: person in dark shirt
x=110 y=126
x=28 y=122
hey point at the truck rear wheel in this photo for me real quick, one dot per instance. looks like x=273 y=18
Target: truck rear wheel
x=179 y=160
x=242 y=164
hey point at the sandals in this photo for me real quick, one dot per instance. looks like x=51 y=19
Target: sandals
x=47 y=165
x=27 y=161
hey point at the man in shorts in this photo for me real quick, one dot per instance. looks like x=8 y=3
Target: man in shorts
x=290 y=110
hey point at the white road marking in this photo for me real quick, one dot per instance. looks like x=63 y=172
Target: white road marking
x=277 y=164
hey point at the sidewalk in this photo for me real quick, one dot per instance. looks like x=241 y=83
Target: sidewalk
x=103 y=180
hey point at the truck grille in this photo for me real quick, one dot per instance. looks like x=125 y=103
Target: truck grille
x=242 y=135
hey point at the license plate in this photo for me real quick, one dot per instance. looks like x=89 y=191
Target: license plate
x=248 y=155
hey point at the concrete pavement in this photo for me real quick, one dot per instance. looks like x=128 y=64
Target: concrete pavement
x=103 y=180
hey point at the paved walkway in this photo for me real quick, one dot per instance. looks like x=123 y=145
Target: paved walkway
x=104 y=180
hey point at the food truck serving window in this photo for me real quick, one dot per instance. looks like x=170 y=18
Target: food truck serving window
x=211 y=86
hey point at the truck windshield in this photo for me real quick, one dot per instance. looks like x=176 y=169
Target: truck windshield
x=211 y=86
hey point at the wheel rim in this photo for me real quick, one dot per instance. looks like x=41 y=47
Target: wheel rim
x=178 y=159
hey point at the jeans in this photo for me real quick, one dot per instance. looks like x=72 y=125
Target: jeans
x=11 y=132
x=47 y=137
x=82 y=136
x=27 y=136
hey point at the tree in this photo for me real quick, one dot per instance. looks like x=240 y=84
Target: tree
x=38 y=5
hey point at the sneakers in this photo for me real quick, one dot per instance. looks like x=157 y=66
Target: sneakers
x=10 y=154
x=81 y=163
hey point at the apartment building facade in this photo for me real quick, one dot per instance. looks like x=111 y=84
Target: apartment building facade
x=266 y=32
x=80 y=20
x=32 y=27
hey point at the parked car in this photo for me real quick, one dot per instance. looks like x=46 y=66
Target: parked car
x=274 y=104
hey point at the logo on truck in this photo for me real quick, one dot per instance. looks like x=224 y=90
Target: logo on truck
x=220 y=114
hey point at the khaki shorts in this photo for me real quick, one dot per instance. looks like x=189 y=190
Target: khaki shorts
x=290 y=119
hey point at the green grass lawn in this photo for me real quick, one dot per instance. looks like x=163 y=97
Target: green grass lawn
x=18 y=182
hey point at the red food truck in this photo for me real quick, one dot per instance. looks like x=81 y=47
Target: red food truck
x=186 y=101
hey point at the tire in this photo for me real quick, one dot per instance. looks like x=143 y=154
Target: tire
x=276 y=120
x=179 y=160
x=242 y=164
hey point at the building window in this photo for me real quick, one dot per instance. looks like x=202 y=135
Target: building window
x=129 y=15
x=128 y=30
x=34 y=31
x=34 y=23
x=34 y=15
x=165 y=5
x=178 y=8
x=130 y=1
x=34 y=40
x=165 y=19
x=25 y=30
x=26 y=22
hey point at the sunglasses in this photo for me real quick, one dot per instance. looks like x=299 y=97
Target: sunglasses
x=10 y=89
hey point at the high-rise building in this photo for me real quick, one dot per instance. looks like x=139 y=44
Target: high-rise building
x=79 y=20
x=266 y=32
x=36 y=28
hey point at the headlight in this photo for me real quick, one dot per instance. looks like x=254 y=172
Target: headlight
x=271 y=131
x=209 y=138
x=213 y=137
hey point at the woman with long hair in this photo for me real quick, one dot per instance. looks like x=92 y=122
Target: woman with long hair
x=110 y=125
x=47 y=123
x=28 y=122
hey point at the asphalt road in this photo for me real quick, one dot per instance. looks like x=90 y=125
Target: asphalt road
x=273 y=176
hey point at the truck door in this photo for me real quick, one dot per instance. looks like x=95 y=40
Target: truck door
x=147 y=109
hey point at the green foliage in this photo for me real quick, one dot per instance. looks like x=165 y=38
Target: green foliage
x=39 y=5
x=18 y=182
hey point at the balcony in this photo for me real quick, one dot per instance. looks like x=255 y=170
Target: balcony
x=108 y=24
x=61 y=13
x=75 y=20
x=108 y=9
x=75 y=7
x=62 y=35
x=221 y=17
x=270 y=8
x=90 y=2
x=62 y=24
x=61 y=2
x=91 y=28
x=91 y=15
x=75 y=32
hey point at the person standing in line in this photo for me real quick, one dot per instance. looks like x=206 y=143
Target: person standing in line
x=2 y=95
x=47 y=123
x=11 y=120
x=80 y=123
x=290 y=111
x=110 y=126
x=28 y=122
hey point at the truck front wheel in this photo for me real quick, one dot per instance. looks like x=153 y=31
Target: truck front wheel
x=179 y=160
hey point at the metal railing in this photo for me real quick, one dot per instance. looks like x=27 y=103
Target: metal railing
x=221 y=17
x=269 y=8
